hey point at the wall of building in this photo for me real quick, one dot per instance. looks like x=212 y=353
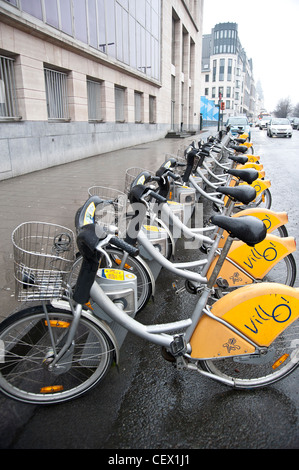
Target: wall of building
x=32 y=142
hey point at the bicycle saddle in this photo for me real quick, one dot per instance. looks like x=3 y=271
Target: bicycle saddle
x=248 y=229
x=244 y=194
x=239 y=148
x=238 y=159
x=240 y=141
x=249 y=175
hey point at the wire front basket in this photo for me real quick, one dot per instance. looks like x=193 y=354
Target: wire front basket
x=43 y=257
x=131 y=175
x=113 y=208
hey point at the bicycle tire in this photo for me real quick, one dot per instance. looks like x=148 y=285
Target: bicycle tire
x=249 y=373
x=24 y=372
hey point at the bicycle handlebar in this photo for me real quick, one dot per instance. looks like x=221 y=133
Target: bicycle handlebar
x=119 y=243
x=90 y=241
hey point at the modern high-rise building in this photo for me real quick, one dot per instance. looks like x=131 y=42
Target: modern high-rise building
x=83 y=77
x=227 y=72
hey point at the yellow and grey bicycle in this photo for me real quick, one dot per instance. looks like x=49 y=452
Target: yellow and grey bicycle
x=63 y=347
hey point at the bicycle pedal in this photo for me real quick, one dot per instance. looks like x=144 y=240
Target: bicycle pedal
x=222 y=283
x=178 y=291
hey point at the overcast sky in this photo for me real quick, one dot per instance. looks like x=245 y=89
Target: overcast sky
x=269 y=33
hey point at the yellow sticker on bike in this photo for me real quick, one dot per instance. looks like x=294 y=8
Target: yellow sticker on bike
x=113 y=274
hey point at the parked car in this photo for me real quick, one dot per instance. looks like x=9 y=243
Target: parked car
x=279 y=127
x=264 y=122
x=238 y=123
x=295 y=123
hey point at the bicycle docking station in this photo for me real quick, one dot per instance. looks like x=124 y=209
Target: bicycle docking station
x=121 y=287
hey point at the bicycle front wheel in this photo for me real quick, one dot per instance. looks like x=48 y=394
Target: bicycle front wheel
x=28 y=348
x=260 y=370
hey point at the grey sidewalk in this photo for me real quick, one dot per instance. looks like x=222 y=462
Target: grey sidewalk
x=54 y=195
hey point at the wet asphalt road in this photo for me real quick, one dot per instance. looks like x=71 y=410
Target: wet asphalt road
x=147 y=404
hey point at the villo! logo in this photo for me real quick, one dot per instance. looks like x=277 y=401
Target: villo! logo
x=269 y=254
x=280 y=314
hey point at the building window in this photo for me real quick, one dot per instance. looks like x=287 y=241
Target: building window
x=227 y=104
x=94 y=99
x=56 y=94
x=138 y=106
x=119 y=104
x=118 y=28
x=152 y=109
x=213 y=92
x=221 y=70
x=8 y=97
x=206 y=92
x=214 y=70
x=207 y=78
x=228 y=92
x=229 y=70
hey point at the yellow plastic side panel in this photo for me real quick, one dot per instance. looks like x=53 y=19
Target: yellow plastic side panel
x=244 y=136
x=258 y=260
x=261 y=312
x=246 y=144
x=271 y=219
x=231 y=273
x=260 y=185
x=253 y=158
x=212 y=339
x=255 y=166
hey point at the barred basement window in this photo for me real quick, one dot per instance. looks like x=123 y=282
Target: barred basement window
x=94 y=97
x=56 y=93
x=8 y=96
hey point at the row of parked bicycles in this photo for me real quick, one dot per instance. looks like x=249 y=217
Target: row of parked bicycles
x=87 y=288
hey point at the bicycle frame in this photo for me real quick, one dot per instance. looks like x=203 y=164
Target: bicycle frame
x=236 y=325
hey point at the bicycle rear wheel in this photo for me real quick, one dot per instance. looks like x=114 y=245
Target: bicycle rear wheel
x=27 y=351
x=261 y=370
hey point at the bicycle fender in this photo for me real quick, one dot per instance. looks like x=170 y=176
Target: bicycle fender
x=260 y=312
x=260 y=185
x=253 y=158
x=255 y=261
x=62 y=304
x=256 y=166
x=271 y=219
x=258 y=260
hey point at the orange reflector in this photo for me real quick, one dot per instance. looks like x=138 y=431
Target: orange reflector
x=118 y=261
x=58 y=324
x=52 y=389
x=280 y=361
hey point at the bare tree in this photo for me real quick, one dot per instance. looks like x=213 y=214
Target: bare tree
x=296 y=110
x=283 y=108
